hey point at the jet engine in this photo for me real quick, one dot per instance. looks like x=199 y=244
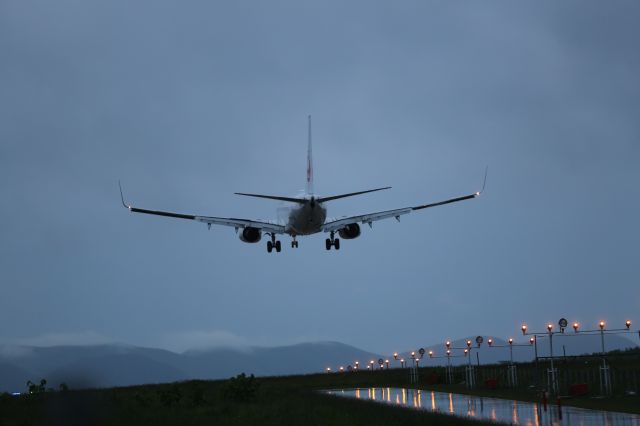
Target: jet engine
x=350 y=231
x=250 y=235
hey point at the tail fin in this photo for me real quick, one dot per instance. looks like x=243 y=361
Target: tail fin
x=309 y=188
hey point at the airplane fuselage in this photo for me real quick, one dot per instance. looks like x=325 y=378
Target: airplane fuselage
x=305 y=219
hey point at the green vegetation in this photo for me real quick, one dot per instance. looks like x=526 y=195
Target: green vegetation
x=239 y=401
x=296 y=400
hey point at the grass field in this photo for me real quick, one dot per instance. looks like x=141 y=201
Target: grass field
x=291 y=400
x=267 y=401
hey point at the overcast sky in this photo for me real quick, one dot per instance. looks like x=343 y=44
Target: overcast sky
x=188 y=102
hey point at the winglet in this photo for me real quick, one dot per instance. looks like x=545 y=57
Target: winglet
x=484 y=183
x=122 y=197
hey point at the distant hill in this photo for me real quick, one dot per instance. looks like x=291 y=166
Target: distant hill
x=122 y=365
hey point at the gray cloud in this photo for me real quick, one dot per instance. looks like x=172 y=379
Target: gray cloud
x=57 y=339
x=188 y=103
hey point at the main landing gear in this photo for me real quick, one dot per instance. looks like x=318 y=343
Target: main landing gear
x=273 y=244
x=335 y=242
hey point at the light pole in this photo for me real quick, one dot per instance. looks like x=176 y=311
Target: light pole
x=469 y=373
x=605 y=378
x=511 y=368
x=551 y=372
x=413 y=373
x=554 y=382
x=449 y=372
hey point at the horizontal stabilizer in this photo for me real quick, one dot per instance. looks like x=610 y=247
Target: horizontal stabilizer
x=273 y=197
x=303 y=200
x=335 y=197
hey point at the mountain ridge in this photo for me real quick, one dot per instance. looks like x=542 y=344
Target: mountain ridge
x=106 y=365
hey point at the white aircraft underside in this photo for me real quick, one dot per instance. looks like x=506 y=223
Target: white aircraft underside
x=303 y=215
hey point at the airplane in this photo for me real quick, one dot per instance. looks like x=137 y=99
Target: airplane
x=303 y=215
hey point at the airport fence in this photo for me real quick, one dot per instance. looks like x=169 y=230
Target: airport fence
x=574 y=375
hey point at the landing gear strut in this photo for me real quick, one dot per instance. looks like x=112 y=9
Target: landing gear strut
x=273 y=244
x=335 y=242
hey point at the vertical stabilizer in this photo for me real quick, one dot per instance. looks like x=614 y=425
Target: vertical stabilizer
x=309 y=188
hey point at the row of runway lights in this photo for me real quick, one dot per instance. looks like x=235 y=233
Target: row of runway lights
x=416 y=359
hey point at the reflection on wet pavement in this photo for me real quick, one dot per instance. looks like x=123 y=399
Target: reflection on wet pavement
x=494 y=409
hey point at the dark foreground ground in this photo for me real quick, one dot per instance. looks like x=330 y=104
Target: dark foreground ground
x=265 y=401
x=293 y=400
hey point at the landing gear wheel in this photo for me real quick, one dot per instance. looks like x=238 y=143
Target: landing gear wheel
x=327 y=243
x=294 y=244
x=336 y=243
x=278 y=246
x=269 y=246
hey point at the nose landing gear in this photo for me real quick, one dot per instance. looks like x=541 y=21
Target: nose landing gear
x=335 y=242
x=273 y=244
x=294 y=243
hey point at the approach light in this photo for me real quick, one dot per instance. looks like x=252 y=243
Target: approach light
x=448 y=352
x=510 y=341
x=490 y=341
x=468 y=343
x=328 y=369
x=341 y=368
x=413 y=354
x=576 y=326
x=602 y=323
x=448 y=344
x=524 y=328
x=395 y=355
x=466 y=351
x=628 y=324
x=532 y=341
x=549 y=327
x=430 y=354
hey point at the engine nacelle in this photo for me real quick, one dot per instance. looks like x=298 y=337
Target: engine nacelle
x=350 y=231
x=250 y=235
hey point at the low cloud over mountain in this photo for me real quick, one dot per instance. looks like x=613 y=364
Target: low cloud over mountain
x=121 y=365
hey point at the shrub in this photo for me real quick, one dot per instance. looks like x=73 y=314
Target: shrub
x=240 y=388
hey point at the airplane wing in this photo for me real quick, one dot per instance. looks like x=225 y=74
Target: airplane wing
x=372 y=217
x=209 y=220
x=336 y=225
